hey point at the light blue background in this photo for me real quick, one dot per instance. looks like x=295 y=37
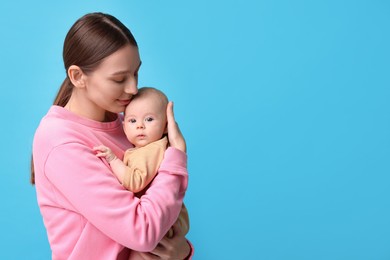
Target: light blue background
x=284 y=105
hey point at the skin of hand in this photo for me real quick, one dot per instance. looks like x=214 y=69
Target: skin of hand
x=104 y=151
x=176 y=247
x=175 y=136
x=117 y=166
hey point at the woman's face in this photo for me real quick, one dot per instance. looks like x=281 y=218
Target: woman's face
x=113 y=83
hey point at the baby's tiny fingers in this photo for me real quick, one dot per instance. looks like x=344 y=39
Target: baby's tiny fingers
x=100 y=148
x=101 y=154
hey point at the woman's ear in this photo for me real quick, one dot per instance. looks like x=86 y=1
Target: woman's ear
x=76 y=76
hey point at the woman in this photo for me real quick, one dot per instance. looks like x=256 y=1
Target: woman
x=86 y=211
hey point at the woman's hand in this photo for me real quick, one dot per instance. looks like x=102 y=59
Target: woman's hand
x=176 y=247
x=175 y=137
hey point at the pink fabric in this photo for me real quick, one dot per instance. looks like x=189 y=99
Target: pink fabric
x=87 y=213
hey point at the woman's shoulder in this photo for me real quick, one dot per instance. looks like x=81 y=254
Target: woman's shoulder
x=56 y=122
x=54 y=130
x=60 y=125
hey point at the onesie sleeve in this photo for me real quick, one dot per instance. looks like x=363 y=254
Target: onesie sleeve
x=142 y=165
x=93 y=192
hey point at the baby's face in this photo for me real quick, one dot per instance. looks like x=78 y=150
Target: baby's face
x=145 y=120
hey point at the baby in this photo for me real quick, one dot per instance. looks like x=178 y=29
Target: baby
x=145 y=125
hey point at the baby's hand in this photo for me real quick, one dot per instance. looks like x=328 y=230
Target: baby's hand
x=104 y=151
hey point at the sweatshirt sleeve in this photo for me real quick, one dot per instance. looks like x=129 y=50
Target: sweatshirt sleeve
x=92 y=190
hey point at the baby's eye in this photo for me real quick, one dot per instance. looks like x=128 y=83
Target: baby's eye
x=132 y=121
x=149 y=119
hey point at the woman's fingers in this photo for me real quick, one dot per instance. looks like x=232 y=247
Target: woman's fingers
x=149 y=256
x=170 y=114
x=176 y=247
x=175 y=136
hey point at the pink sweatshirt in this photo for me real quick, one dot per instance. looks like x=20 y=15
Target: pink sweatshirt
x=87 y=213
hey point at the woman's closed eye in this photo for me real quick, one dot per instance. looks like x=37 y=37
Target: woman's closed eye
x=119 y=80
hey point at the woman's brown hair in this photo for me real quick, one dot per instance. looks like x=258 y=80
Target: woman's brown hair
x=92 y=38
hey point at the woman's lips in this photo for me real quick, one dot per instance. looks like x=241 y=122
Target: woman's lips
x=124 y=102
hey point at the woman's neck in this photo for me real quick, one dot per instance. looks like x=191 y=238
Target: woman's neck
x=85 y=109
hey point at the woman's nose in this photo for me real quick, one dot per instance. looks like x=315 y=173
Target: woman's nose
x=131 y=87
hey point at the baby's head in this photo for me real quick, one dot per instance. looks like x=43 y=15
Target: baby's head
x=145 y=118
